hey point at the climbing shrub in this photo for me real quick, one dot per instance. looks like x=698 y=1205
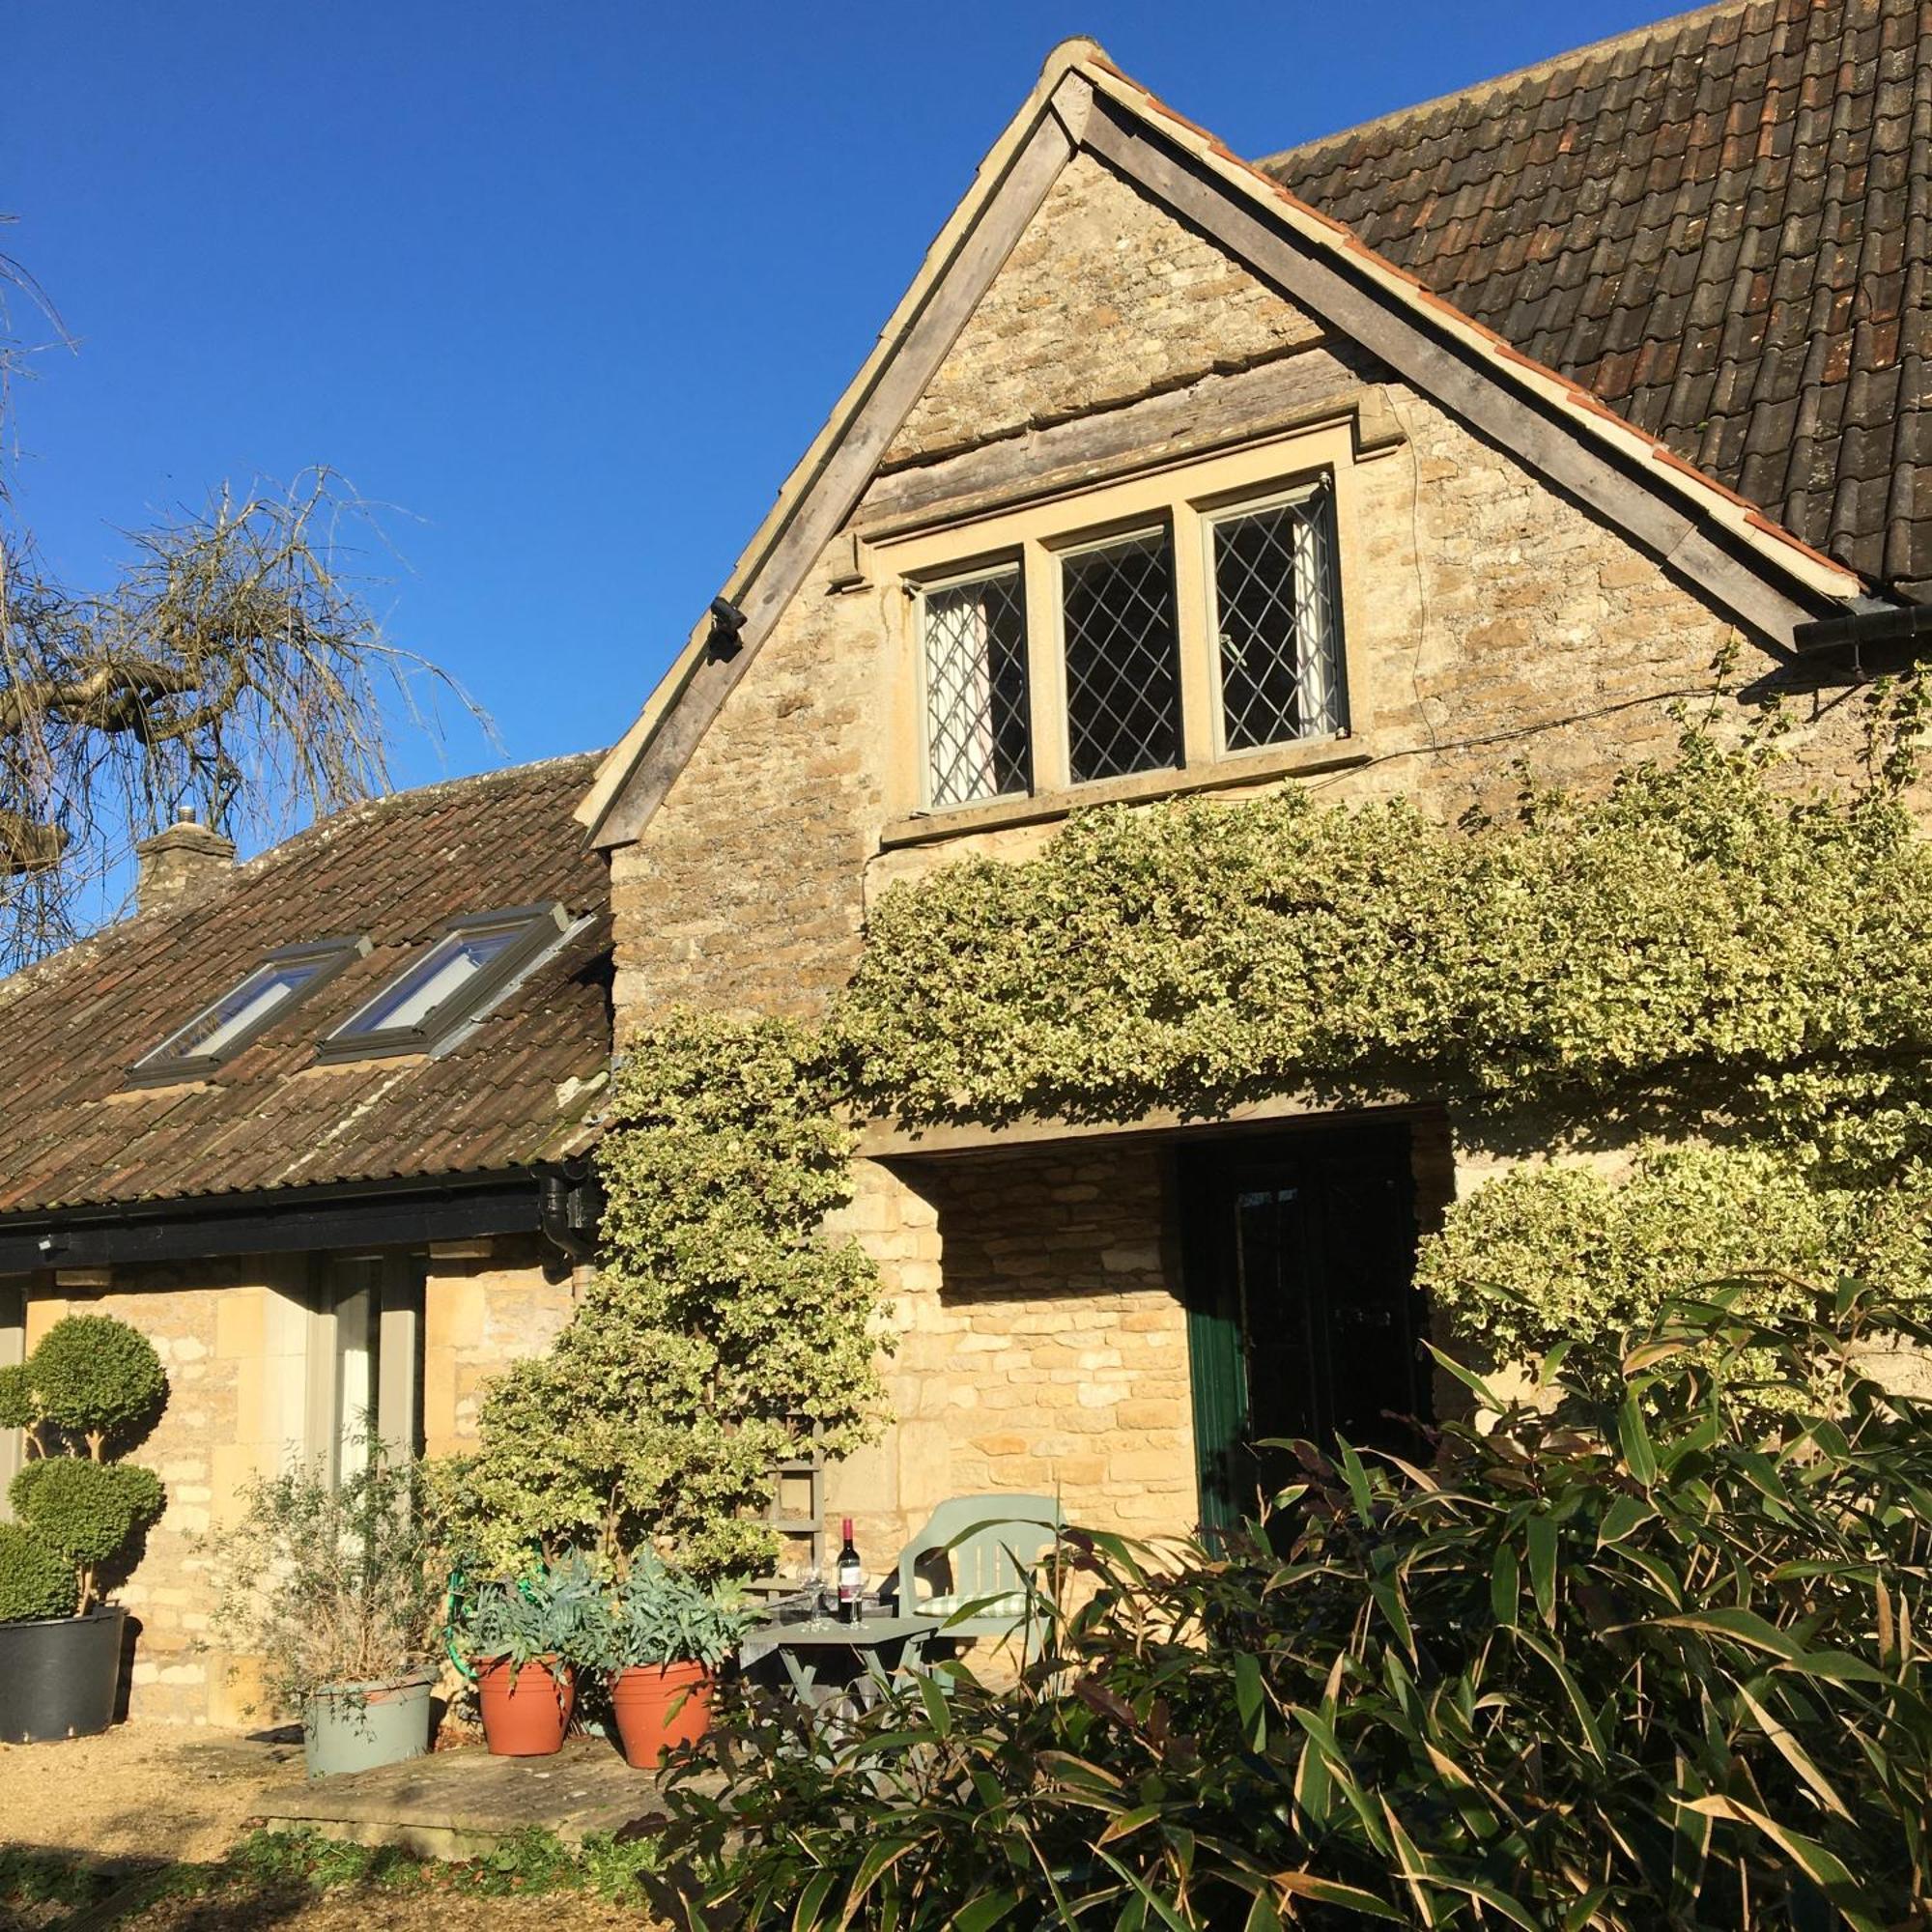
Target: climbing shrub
x=1548 y=1254
x=1699 y=947
x=723 y=1329
x=1695 y=930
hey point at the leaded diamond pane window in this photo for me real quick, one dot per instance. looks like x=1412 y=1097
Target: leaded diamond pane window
x=976 y=690
x=1278 y=623
x=1122 y=680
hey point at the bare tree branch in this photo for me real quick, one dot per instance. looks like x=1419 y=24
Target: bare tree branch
x=237 y=666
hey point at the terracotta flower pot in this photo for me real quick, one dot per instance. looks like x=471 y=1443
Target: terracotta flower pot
x=660 y=1706
x=526 y=1710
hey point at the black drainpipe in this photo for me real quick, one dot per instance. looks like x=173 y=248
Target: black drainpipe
x=569 y=1204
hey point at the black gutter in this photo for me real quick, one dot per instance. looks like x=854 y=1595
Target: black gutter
x=289 y=1220
x=1886 y=624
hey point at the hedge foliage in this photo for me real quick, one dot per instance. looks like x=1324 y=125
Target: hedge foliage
x=1620 y=1665
x=723 y=1327
x=1700 y=948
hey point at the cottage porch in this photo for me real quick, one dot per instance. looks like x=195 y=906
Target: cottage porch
x=1109 y=1315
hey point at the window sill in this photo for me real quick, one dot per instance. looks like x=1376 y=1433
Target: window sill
x=1281 y=761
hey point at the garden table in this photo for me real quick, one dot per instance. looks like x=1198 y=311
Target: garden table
x=885 y=1646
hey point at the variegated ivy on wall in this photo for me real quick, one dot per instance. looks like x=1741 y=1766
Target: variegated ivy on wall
x=1724 y=977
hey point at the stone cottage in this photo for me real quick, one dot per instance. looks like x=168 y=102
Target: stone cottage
x=312 y=1123
x=1472 y=435
x=1467 y=435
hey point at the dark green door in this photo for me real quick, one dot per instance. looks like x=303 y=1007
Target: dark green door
x=1303 y=1320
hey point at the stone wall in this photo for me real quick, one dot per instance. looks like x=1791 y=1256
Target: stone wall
x=1101 y=300
x=480 y=1314
x=1040 y=1341
x=1489 y=619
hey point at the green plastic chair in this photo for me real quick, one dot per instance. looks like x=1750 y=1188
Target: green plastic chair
x=989 y=1544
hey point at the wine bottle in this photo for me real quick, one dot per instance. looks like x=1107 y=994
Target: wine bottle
x=851 y=1578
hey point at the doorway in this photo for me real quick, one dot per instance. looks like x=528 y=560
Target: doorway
x=1303 y=1316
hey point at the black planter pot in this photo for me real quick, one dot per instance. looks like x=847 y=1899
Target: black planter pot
x=58 y=1677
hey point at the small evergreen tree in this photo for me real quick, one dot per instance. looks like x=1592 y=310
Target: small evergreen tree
x=92 y=1385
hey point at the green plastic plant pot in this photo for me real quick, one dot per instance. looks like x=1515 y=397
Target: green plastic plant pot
x=357 y=1726
x=59 y=1676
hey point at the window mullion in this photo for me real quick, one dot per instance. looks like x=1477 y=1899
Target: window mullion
x=1193 y=596
x=1046 y=668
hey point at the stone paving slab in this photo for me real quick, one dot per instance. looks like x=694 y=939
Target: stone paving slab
x=464 y=1803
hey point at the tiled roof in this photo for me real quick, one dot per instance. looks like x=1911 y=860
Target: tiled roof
x=1721 y=226
x=74 y=1132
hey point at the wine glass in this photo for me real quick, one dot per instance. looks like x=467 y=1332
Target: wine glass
x=814 y=1590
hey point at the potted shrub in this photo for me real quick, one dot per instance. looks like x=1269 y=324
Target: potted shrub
x=91 y=1387
x=333 y=1588
x=523 y=1637
x=666 y=1637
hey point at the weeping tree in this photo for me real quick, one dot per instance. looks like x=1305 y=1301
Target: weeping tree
x=236 y=665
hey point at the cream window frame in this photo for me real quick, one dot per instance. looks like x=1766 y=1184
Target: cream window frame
x=13 y=1353
x=1188 y=497
x=973 y=571
x=395 y=1281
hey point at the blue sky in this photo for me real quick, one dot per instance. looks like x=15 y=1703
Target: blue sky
x=570 y=286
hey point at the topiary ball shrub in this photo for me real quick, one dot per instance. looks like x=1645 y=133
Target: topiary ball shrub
x=91 y=1381
x=35 y=1579
x=85 y=1510
x=16 y=1397
x=95 y=1377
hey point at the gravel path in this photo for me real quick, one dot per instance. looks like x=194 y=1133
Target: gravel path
x=144 y=1794
x=136 y=1792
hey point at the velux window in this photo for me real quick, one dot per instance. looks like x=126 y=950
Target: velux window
x=1259 y=634
x=242 y=1015
x=475 y=960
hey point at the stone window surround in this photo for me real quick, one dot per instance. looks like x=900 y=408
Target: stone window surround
x=1189 y=493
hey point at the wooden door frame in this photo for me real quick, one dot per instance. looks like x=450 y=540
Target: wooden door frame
x=1216 y=1350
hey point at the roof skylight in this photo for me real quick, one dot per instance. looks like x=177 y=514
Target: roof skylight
x=224 y=1028
x=440 y=989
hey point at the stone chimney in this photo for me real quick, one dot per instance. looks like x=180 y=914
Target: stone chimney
x=180 y=865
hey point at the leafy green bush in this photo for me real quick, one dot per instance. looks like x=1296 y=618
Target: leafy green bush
x=330 y=1583
x=35 y=1580
x=16 y=1397
x=661 y=1615
x=1609 y=1666
x=1555 y=1252
x=91 y=1382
